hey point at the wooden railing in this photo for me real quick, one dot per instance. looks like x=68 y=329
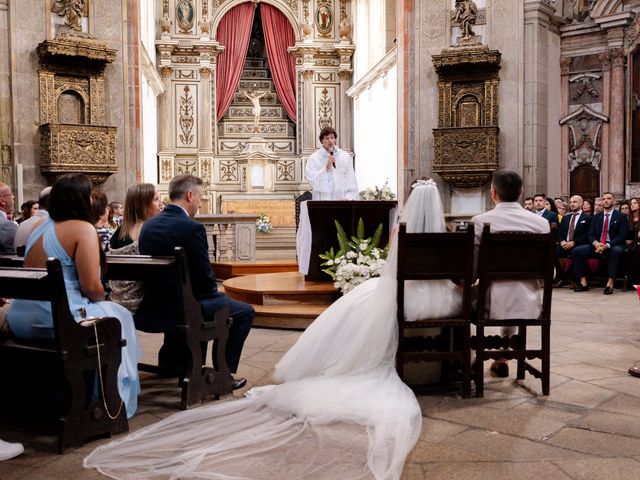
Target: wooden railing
x=231 y=237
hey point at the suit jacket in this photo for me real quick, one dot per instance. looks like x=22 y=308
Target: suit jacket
x=552 y=217
x=618 y=226
x=580 y=231
x=8 y=229
x=512 y=299
x=159 y=236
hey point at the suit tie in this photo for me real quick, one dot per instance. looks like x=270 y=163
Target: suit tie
x=572 y=226
x=605 y=229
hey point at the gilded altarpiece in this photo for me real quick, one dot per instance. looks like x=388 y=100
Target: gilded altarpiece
x=466 y=142
x=246 y=166
x=73 y=134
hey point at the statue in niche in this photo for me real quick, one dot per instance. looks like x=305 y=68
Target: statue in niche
x=72 y=10
x=255 y=96
x=465 y=16
x=581 y=9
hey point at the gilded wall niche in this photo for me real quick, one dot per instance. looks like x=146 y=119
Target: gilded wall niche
x=466 y=142
x=73 y=134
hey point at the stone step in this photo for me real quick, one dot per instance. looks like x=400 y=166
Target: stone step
x=297 y=317
x=225 y=270
x=245 y=112
x=264 y=84
x=276 y=254
x=255 y=74
x=274 y=129
x=255 y=62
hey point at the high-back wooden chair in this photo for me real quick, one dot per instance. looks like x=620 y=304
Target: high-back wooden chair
x=435 y=256
x=517 y=257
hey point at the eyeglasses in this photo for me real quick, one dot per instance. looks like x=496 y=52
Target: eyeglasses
x=11 y=194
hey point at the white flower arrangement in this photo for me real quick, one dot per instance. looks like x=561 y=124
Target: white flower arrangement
x=357 y=260
x=263 y=224
x=378 y=193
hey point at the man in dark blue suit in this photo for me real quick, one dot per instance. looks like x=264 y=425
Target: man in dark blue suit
x=538 y=209
x=573 y=232
x=607 y=238
x=175 y=227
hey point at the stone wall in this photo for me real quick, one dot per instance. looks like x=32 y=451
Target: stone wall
x=23 y=25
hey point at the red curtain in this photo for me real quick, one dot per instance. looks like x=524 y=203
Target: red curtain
x=278 y=36
x=234 y=32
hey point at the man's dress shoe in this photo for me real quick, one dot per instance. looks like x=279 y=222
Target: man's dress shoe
x=608 y=290
x=581 y=288
x=634 y=371
x=237 y=383
x=500 y=368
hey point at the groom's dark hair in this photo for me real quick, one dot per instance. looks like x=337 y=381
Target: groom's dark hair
x=507 y=184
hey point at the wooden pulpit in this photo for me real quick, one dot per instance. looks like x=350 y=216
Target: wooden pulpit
x=322 y=215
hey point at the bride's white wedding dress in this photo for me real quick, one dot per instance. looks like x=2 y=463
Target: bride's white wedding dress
x=341 y=411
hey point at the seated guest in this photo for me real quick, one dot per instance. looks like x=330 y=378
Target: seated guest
x=27 y=210
x=607 y=238
x=69 y=235
x=105 y=229
x=587 y=206
x=539 y=202
x=26 y=227
x=142 y=202
x=633 y=255
x=117 y=211
x=175 y=227
x=598 y=205
x=563 y=209
x=528 y=204
x=8 y=227
x=624 y=208
x=573 y=232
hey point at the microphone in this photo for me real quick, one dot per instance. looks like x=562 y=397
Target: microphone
x=333 y=160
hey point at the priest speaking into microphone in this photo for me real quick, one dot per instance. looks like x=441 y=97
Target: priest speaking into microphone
x=330 y=172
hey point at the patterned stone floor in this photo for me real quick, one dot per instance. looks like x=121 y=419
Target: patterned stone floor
x=588 y=428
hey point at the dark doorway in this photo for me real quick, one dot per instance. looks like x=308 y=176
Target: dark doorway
x=585 y=181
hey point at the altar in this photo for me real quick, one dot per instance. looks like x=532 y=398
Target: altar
x=317 y=231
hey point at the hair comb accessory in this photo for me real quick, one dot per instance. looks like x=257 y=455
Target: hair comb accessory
x=422 y=182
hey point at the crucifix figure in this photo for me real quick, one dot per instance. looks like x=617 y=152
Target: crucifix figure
x=255 y=96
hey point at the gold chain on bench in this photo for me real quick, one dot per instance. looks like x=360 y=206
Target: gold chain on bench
x=104 y=398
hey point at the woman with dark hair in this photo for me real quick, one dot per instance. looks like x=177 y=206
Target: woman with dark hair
x=28 y=210
x=102 y=221
x=588 y=206
x=633 y=243
x=69 y=235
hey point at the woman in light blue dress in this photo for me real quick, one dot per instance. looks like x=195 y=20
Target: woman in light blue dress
x=69 y=235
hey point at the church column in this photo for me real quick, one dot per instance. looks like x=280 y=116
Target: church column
x=616 y=138
x=205 y=109
x=565 y=65
x=166 y=155
x=537 y=14
x=308 y=113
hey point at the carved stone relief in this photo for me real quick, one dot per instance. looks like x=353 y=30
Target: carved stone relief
x=585 y=87
x=72 y=11
x=585 y=127
x=186 y=114
x=228 y=171
x=187 y=167
x=325 y=108
x=286 y=170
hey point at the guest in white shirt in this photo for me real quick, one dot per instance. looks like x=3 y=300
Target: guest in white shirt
x=330 y=172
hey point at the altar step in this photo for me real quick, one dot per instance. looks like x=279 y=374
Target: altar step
x=225 y=270
x=282 y=300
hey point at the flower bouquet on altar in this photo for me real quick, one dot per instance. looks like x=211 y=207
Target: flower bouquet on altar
x=377 y=193
x=263 y=224
x=358 y=259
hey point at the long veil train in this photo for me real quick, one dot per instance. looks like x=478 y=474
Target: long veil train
x=341 y=411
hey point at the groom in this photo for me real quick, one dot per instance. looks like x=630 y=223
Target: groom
x=175 y=227
x=510 y=299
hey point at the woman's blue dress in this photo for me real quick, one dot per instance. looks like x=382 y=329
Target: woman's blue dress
x=31 y=319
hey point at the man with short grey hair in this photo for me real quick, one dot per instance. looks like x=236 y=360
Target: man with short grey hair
x=26 y=227
x=175 y=227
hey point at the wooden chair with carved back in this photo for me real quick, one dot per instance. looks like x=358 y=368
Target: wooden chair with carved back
x=515 y=257
x=435 y=256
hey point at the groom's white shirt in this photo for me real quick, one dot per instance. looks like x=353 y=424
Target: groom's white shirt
x=339 y=183
x=512 y=299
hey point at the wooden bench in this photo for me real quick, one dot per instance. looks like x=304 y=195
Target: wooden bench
x=192 y=332
x=67 y=364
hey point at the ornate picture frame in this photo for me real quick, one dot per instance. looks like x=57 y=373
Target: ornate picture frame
x=185 y=15
x=324 y=18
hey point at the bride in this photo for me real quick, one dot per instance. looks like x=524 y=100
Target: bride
x=340 y=411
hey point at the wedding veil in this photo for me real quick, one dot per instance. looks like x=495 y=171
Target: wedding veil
x=341 y=412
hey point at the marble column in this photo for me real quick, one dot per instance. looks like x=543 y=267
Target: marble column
x=308 y=113
x=205 y=111
x=165 y=138
x=616 y=139
x=565 y=65
x=537 y=14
